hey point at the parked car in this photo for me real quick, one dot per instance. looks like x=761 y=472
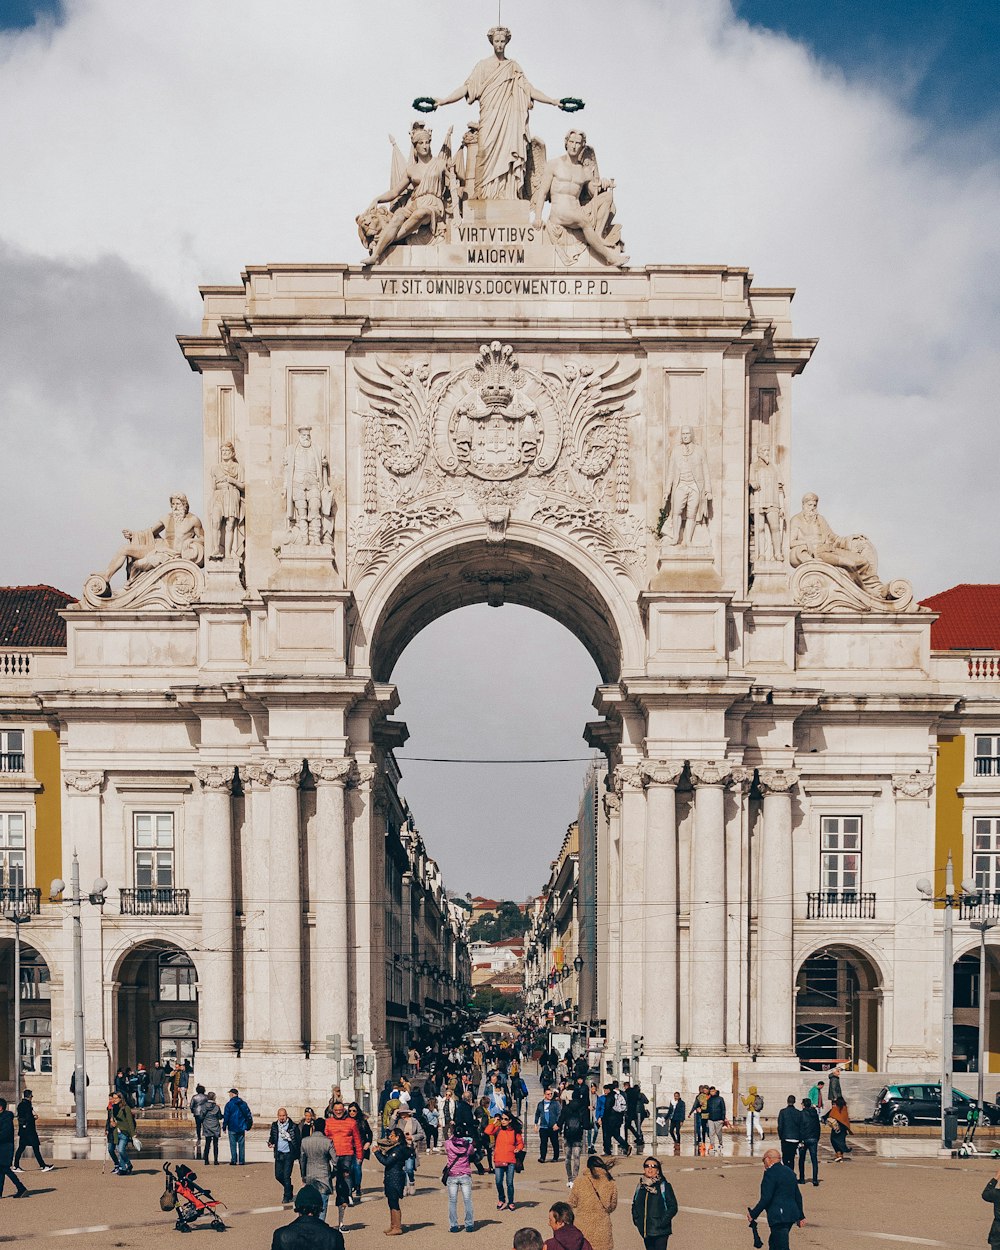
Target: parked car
x=901 y=1105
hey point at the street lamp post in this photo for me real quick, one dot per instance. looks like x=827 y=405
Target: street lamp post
x=18 y=915
x=75 y=901
x=983 y=926
x=949 y=901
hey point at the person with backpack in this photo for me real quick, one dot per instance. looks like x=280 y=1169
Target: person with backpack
x=654 y=1206
x=458 y=1177
x=237 y=1121
x=124 y=1124
x=612 y=1119
x=754 y=1106
x=573 y=1123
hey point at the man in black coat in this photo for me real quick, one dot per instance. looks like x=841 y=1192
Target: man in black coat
x=27 y=1134
x=285 y=1139
x=780 y=1198
x=308 y=1232
x=810 y=1141
x=7 y=1150
x=789 y=1131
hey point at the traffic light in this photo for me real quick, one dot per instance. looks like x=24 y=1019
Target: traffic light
x=358 y=1045
x=333 y=1048
x=637 y=1048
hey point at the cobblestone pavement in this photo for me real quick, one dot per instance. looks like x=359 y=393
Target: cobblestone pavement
x=867 y=1202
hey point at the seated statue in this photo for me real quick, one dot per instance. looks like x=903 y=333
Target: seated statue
x=418 y=193
x=178 y=536
x=580 y=201
x=811 y=538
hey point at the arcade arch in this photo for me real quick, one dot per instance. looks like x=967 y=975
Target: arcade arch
x=157 y=1004
x=838 y=1008
x=36 y=1012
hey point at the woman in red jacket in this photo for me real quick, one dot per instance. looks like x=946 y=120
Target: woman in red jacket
x=507 y=1143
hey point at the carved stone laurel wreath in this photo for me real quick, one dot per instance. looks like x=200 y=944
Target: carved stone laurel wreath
x=494 y=440
x=175 y=584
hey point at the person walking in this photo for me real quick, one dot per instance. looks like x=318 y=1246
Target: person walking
x=124 y=1124
x=285 y=1140
x=7 y=1151
x=393 y=1154
x=654 y=1206
x=197 y=1108
x=593 y=1197
x=700 y=1115
x=211 y=1127
x=676 y=1115
x=780 y=1199
x=789 y=1131
x=816 y=1098
x=482 y=1114
x=574 y=1122
x=810 y=1141
x=612 y=1119
x=834 y=1090
x=754 y=1105
x=547 y=1114
x=307 y=1231
x=345 y=1138
x=635 y=1112
x=142 y=1085
x=184 y=1082
x=518 y=1093
x=317 y=1162
x=357 y=1167
x=459 y=1151
x=992 y=1194
x=237 y=1120
x=27 y=1134
x=507 y=1144
x=431 y=1117
x=839 y=1121
x=715 y=1110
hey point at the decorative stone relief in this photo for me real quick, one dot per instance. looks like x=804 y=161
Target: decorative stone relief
x=162 y=564
x=767 y=508
x=612 y=805
x=257 y=774
x=662 y=772
x=284 y=772
x=214 y=777
x=839 y=573
x=582 y=206
x=228 y=517
x=307 y=493
x=912 y=785
x=629 y=777
x=362 y=775
x=83 y=780
x=687 y=505
x=496 y=580
x=710 y=772
x=337 y=771
x=498 y=439
x=743 y=777
x=778 y=780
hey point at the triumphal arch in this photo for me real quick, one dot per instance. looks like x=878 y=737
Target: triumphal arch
x=496 y=405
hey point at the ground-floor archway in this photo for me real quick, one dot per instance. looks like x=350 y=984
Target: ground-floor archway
x=35 y=1043
x=157 y=1014
x=837 y=1010
x=967 y=990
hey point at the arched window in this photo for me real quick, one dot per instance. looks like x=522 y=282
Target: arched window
x=177 y=977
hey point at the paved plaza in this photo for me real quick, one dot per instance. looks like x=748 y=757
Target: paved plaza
x=904 y=1196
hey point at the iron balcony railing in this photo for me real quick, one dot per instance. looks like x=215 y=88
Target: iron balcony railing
x=840 y=905
x=11 y=761
x=155 y=901
x=982 y=906
x=20 y=898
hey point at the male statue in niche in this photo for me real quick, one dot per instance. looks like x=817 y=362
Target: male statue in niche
x=767 y=494
x=689 y=490
x=307 y=493
x=228 y=487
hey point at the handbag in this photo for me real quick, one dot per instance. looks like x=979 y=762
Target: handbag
x=519 y=1158
x=445 y=1174
x=136 y=1143
x=168 y=1200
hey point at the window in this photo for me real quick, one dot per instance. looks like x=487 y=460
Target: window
x=986 y=852
x=36 y=1045
x=176 y=977
x=13 y=849
x=987 y=755
x=35 y=985
x=840 y=866
x=11 y=750
x=178 y=1039
x=154 y=850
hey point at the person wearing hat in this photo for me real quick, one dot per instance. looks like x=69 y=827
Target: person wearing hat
x=307 y=1231
x=593 y=1197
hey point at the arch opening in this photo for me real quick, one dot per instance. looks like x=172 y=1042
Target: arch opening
x=157 y=1014
x=838 y=1007
x=968 y=987
x=35 y=1042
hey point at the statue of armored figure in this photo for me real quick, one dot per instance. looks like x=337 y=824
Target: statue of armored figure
x=689 y=490
x=307 y=493
x=811 y=538
x=767 y=503
x=177 y=536
x=228 y=490
x=417 y=192
x=581 y=202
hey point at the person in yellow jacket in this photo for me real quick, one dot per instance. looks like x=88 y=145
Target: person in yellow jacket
x=754 y=1105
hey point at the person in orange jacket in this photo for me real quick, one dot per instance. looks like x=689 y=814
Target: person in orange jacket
x=508 y=1143
x=345 y=1137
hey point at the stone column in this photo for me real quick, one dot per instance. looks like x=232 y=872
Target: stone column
x=330 y=963
x=630 y=784
x=257 y=935
x=775 y=928
x=215 y=963
x=82 y=833
x=660 y=970
x=737 y=878
x=609 y=924
x=708 y=908
x=362 y=819
x=284 y=906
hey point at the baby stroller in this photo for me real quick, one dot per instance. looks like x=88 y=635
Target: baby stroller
x=189 y=1200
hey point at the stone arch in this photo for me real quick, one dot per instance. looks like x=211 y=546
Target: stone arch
x=156 y=1002
x=36 y=1009
x=838 y=1005
x=967 y=1049
x=533 y=567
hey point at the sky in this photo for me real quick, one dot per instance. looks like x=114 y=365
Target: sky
x=849 y=150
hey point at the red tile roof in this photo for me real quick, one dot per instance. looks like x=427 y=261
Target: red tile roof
x=969 y=620
x=28 y=616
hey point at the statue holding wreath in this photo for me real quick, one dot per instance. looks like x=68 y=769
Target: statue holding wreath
x=505 y=100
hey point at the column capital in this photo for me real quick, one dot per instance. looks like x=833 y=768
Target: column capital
x=711 y=772
x=912 y=785
x=661 y=772
x=216 y=778
x=256 y=774
x=362 y=774
x=334 y=771
x=83 y=780
x=743 y=778
x=629 y=777
x=264 y=773
x=777 y=780
x=612 y=804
